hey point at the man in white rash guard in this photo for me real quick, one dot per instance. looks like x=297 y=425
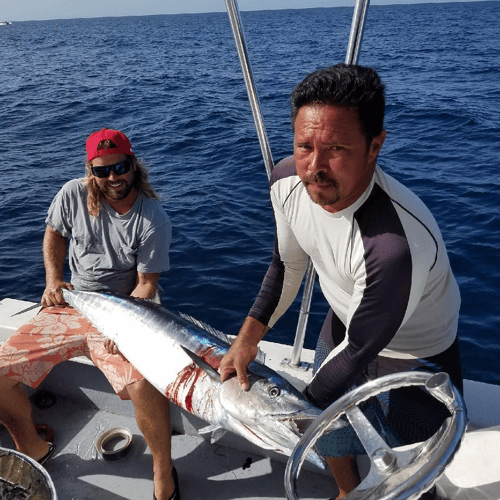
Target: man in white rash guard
x=380 y=259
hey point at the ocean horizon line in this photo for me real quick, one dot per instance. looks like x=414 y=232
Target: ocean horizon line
x=375 y=4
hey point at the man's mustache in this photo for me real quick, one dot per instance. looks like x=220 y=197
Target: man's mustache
x=320 y=178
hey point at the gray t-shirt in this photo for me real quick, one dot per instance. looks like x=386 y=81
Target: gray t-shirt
x=106 y=252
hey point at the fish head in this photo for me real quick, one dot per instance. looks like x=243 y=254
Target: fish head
x=272 y=414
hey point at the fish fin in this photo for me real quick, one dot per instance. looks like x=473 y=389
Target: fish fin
x=209 y=370
x=218 y=434
x=209 y=428
x=30 y=308
x=261 y=356
x=204 y=326
x=216 y=430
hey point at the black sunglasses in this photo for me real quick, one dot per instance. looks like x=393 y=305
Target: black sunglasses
x=118 y=168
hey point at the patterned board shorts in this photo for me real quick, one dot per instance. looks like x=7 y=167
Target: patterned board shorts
x=404 y=416
x=55 y=335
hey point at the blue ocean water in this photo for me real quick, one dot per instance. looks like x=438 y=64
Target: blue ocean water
x=174 y=85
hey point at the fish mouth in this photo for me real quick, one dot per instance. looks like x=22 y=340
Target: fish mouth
x=299 y=421
x=301 y=425
x=297 y=425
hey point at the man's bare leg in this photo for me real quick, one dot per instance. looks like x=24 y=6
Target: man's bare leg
x=17 y=416
x=152 y=412
x=346 y=474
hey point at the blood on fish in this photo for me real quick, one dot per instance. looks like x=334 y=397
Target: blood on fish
x=211 y=355
x=187 y=378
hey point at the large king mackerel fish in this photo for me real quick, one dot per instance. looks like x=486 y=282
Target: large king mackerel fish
x=181 y=358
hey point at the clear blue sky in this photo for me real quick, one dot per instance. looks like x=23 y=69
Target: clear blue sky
x=26 y=10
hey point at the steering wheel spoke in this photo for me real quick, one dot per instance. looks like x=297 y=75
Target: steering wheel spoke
x=381 y=455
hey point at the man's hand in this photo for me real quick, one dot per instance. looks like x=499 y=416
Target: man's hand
x=110 y=347
x=52 y=295
x=55 y=246
x=237 y=359
x=242 y=352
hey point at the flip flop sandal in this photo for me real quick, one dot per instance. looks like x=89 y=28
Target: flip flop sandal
x=176 y=495
x=48 y=455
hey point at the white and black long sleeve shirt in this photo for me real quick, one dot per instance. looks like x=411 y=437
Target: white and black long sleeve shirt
x=382 y=266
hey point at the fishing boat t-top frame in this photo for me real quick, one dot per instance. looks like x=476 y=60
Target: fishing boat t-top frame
x=395 y=474
x=353 y=49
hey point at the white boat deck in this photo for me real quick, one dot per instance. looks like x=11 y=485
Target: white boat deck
x=231 y=469
x=205 y=471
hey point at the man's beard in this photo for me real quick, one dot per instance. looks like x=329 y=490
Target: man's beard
x=120 y=193
x=321 y=179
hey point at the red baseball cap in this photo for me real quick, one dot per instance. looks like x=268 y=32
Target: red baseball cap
x=123 y=145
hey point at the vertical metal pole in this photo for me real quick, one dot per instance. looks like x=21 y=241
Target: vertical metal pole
x=239 y=38
x=305 y=307
x=357 y=28
x=354 y=46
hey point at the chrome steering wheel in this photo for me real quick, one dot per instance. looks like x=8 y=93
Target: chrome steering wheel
x=402 y=474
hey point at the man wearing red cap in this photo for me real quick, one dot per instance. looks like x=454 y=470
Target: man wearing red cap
x=116 y=235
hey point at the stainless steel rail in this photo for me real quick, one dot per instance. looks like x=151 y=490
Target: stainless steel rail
x=239 y=38
x=357 y=28
x=353 y=49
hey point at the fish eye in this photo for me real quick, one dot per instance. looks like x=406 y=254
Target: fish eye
x=274 y=391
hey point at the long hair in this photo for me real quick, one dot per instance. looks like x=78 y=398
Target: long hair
x=141 y=182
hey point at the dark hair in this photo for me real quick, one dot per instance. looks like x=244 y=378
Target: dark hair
x=351 y=86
